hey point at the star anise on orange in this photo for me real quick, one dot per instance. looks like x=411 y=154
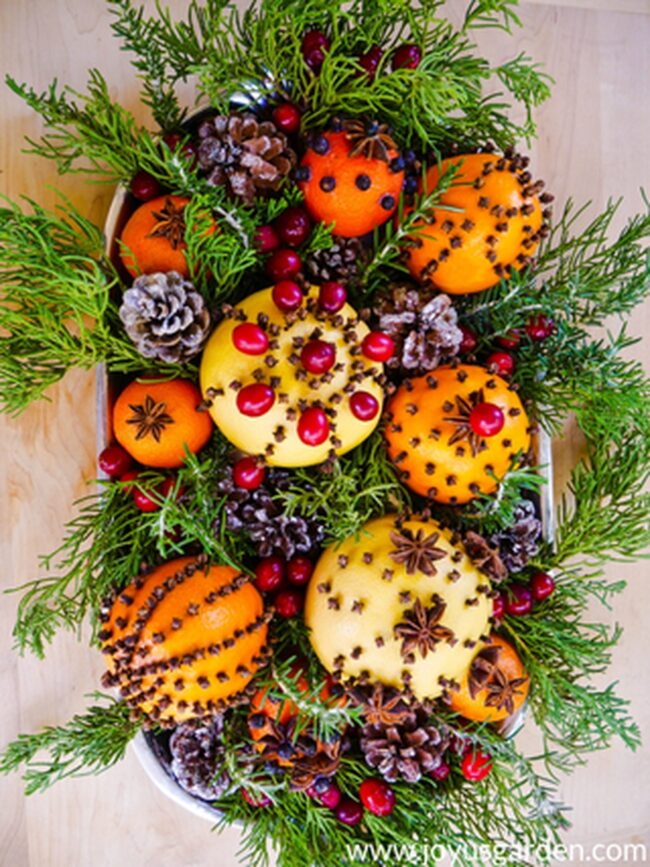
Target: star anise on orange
x=371 y=139
x=170 y=223
x=464 y=430
x=502 y=692
x=421 y=629
x=482 y=668
x=150 y=418
x=418 y=552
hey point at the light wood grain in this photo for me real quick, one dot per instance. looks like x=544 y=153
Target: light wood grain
x=594 y=143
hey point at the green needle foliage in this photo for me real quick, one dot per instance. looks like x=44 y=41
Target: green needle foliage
x=89 y=743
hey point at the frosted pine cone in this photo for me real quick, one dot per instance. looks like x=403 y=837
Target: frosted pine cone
x=424 y=328
x=339 y=262
x=519 y=542
x=165 y=317
x=196 y=751
x=244 y=154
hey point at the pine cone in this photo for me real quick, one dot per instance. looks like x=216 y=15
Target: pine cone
x=339 y=262
x=424 y=328
x=246 y=155
x=407 y=749
x=165 y=317
x=258 y=515
x=196 y=751
x=518 y=543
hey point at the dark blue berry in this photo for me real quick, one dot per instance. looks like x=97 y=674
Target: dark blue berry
x=363 y=182
x=321 y=145
x=327 y=184
x=410 y=185
x=387 y=202
x=396 y=165
x=302 y=173
x=372 y=127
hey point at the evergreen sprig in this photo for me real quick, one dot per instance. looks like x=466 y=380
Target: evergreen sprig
x=91 y=742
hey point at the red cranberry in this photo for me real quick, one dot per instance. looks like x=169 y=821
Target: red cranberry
x=539 y=327
x=498 y=606
x=128 y=477
x=168 y=486
x=487 y=419
x=318 y=356
x=349 y=812
x=293 y=226
x=257 y=800
x=331 y=796
x=299 y=570
x=519 y=600
x=289 y=603
x=502 y=362
x=510 y=340
x=250 y=339
x=172 y=140
x=407 y=56
x=476 y=765
x=255 y=399
x=332 y=296
x=286 y=117
x=283 y=264
x=541 y=586
x=313 y=426
x=266 y=239
x=315 y=46
x=468 y=341
x=188 y=150
x=144 y=500
x=114 y=461
x=377 y=797
x=364 y=405
x=441 y=772
x=287 y=295
x=145 y=187
x=370 y=60
x=248 y=473
x=269 y=574
x=378 y=346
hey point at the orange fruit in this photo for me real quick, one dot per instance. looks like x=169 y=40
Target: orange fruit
x=431 y=439
x=196 y=647
x=156 y=420
x=283 y=710
x=355 y=192
x=494 y=227
x=495 y=686
x=152 y=239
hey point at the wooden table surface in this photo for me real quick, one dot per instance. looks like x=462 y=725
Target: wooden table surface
x=594 y=144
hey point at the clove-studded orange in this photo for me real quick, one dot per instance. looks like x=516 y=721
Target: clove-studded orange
x=153 y=238
x=454 y=433
x=352 y=177
x=487 y=224
x=495 y=685
x=155 y=421
x=184 y=640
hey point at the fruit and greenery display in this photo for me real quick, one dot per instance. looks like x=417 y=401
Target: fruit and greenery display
x=337 y=314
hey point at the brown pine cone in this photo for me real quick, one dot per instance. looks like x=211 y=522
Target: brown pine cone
x=196 y=751
x=165 y=317
x=519 y=542
x=244 y=154
x=408 y=749
x=424 y=328
x=339 y=262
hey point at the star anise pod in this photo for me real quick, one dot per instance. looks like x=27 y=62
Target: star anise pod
x=325 y=763
x=170 y=223
x=417 y=552
x=372 y=139
x=150 y=418
x=384 y=706
x=502 y=692
x=485 y=557
x=421 y=629
x=482 y=668
x=464 y=430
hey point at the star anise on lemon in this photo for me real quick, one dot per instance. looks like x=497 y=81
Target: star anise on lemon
x=170 y=223
x=421 y=629
x=418 y=552
x=150 y=418
x=383 y=706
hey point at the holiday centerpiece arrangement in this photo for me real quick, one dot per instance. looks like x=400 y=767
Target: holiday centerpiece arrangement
x=334 y=317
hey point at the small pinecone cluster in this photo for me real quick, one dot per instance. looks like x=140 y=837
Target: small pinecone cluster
x=246 y=155
x=195 y=751
x=261 y=518
x=424 y=328
x=398 y=739
x=340 y=262
x=519 y=542
x=165 y=317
